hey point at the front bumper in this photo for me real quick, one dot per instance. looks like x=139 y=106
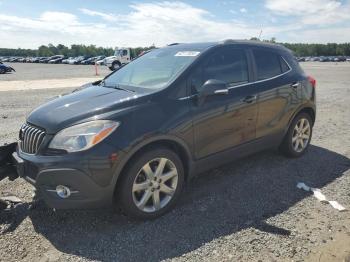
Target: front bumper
x=90 y=178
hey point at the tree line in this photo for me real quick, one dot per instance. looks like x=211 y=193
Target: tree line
x=300 y=49
x=73 y=50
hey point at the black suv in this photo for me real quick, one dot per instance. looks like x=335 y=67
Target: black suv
x=135 y=137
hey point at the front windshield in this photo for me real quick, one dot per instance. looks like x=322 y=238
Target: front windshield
x=117 y=52
x=153 y=70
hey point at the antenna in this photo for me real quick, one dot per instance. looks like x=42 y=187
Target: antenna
x=260 y=34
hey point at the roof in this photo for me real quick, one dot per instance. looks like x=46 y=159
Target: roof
x=206 y=45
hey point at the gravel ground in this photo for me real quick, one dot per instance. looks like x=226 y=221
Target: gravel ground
x=249 y=210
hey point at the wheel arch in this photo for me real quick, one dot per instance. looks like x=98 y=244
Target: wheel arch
x=173 y=143
x=308 y=109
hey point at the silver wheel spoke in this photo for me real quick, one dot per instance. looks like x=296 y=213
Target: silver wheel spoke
x=301 y=143
x=304 y=136
x=148 y=171
x=296 y=145
x=160 y=166
x=301 y=126
x=167 y=190
x=144 y=199
x=306 y=128
x=294 y=138
x=168 y=175
x=140 y=187
x=156 y=200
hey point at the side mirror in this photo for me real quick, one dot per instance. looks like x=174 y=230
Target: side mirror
x=212 y=87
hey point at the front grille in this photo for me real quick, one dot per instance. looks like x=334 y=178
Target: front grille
x=30 y=139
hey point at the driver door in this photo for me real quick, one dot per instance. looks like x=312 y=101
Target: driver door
x=224 y=121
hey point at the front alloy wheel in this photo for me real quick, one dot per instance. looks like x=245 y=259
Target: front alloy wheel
x=155 y=185
x=152 y=184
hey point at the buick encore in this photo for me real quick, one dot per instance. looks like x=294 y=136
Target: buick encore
x=134 y=138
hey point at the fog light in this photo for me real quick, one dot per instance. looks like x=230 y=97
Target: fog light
x=63 y=191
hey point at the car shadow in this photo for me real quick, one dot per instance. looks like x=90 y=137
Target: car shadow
x=217 y=203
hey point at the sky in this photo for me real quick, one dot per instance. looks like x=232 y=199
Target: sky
x=117 y=23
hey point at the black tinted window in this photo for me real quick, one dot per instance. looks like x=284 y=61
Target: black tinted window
x=284 y=65
x=267 y=63
x=228 y=65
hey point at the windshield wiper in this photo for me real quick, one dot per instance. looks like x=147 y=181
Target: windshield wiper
x=120 y=88
x=103 y=83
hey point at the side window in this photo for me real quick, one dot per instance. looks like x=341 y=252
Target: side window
x=125 y=52
x=227 y=64
x=284 y=65
x=268 y=64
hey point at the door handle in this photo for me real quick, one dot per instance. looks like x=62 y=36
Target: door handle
x=295 y=85
x=249 y=99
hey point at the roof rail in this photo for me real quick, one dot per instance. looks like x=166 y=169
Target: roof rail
x=228 y=41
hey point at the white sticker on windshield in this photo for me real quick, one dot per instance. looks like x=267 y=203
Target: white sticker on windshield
x=187 y=53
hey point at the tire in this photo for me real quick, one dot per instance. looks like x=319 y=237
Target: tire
x=2 y=71
x=115 y=66
x=296 y=141
x=136 y=186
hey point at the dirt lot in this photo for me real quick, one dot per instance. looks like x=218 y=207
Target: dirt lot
x=249 y=210
x=51 y=71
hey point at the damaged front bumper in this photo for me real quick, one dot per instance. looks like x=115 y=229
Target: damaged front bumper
x=8 y=168
x=88 y=178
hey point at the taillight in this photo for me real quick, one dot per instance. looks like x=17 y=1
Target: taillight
x=312 y=81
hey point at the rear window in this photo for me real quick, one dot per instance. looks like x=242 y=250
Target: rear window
x=284 y=65
x=269 y=64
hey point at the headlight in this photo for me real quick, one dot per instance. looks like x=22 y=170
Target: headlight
x=83 y=136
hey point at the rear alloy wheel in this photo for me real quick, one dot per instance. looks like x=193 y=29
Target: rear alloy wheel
x=298 y=136
x=152 y=185
x=301 y=135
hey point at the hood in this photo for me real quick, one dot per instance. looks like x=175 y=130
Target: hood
x=79 y=106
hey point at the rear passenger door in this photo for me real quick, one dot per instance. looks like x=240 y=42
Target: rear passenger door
x=227 y=120
x=277 y=91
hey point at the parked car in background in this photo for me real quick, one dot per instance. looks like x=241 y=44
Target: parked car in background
x=44 y=60
x=92 y=60
x=87 y=61
x=134 y=138
x=5 y=68
x=324 y=59
x=101 y=61
x=76 y=60
x=56 y=59
x=66 y=61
